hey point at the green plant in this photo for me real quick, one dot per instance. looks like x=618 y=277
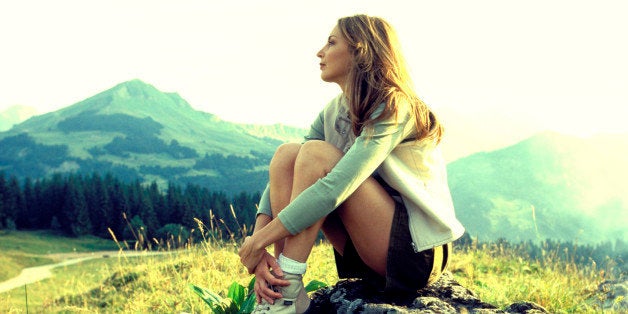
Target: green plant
x=239 y=299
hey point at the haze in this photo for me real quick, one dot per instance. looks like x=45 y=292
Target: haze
x=510 y=67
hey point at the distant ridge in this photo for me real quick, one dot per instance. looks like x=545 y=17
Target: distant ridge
x=136 y=131
x=548 y=186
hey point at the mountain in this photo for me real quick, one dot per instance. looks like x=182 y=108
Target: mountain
x=471 y=131
x=135 y=131
x=14 y=115
x=547 y=186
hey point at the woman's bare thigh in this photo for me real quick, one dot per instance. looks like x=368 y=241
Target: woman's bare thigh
x=367 y=218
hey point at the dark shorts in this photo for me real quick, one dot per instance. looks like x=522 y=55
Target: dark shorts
x=406 y=271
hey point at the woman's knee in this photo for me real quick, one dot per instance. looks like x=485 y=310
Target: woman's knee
x=318 y=154
x=284 y=157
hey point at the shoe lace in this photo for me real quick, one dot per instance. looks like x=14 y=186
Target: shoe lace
x=262 y=308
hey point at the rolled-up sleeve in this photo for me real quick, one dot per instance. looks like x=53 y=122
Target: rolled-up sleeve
x=263 y=208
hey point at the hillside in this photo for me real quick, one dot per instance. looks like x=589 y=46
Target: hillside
x=133 y=130
x=548 y=186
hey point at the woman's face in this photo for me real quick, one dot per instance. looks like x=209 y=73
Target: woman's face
x=335 y=59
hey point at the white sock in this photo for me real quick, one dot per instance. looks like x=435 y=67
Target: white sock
x=289 y=265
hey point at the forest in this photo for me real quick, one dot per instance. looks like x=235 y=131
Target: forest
x=78 y=205
x=105 y=206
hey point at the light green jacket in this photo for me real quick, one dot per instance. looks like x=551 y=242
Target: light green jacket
x=415 y=169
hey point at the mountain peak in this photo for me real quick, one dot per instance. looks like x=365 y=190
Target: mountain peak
x=135 y=87
x=133 y=97
x=135 y=131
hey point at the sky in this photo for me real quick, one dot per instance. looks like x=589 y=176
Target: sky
x=557 y=65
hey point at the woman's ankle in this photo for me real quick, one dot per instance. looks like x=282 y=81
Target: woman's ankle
x=291 y=266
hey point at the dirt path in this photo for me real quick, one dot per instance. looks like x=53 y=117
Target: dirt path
x=37 y=273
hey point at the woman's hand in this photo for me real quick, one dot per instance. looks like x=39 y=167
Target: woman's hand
x=254 y=246
x=267 y=274
x=266 y=269
x=250 y=255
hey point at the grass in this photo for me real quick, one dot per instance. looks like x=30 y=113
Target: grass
x=12 y=264
x=160 y=283
x=21 y=249
x=46 y=242
x=145 y=283
x=502 y=276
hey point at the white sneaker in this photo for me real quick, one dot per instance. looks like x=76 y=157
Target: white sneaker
x=295 y=299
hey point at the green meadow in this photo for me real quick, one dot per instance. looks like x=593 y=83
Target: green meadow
x=120 y=282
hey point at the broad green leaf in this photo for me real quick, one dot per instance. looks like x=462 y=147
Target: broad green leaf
x=239 y=299
x=208 y=296
x=236 y=293
x=251 y=285
x=229 y=306
x=249 y=303
x=315 y=285
x=215 y=302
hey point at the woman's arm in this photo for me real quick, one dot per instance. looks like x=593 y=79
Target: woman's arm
x=254 y=247
x=360 y=161
x=266 y=269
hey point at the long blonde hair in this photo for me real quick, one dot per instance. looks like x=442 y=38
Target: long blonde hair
x=379 y=75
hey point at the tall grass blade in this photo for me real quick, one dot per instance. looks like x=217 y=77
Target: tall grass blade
x=26 y=298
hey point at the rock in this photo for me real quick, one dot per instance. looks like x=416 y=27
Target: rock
x=444 y=296
x=613 y=295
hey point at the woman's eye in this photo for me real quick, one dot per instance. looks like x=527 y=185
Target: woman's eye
x=330 y=43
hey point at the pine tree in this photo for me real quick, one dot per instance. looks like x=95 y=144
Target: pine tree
x=159 y=204
x=26 y=217
x=75 y=209
x=244 y=205
x=38 y=208
x=174 y=203
x=13 y=202
x=147 y=213
x=221 y=211
x=134 y=192
x=53 y=198
x=99 y=206
x=119 y=204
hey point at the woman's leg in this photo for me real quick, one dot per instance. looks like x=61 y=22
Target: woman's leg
x=366 y=215
x=281 y=173
x=314 y=160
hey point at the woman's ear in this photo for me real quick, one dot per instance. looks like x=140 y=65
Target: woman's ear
x=360 y=49
x=360 y=57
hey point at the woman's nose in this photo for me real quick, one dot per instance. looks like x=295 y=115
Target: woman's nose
x=320 y=53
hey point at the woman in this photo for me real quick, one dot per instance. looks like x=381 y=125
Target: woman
x=369 y=175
